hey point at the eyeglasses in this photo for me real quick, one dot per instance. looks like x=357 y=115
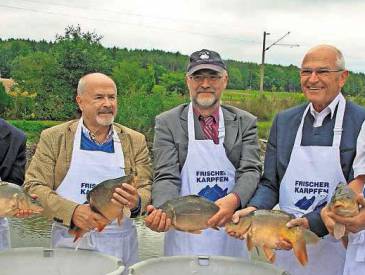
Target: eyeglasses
x=200 y=77
x=318 y=72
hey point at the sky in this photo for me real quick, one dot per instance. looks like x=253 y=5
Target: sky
x=234 y=28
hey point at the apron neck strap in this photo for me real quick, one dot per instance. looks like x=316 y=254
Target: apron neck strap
x=191 y=128
x=337 y=130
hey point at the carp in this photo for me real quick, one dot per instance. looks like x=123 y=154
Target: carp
x=13 y=199
x=190 y=213
x=263 y=229
x=343 y=203
x=99 y=199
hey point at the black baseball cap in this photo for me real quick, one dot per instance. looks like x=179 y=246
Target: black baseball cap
x=205 y=59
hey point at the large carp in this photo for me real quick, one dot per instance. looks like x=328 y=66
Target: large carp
x=190 y=213
x=99 y=199
x=13 y=199
x=343 y=203
x=264 y=228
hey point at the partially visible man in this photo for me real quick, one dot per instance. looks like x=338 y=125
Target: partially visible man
x=12 y=165
x=207 y=149
x=355 y=226
x=73 y=157
x=310 y=150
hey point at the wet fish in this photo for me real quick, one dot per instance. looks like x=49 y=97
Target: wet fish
x=13 y=199
x=190 y=213
x=100 y=202
x=264 y=228
x=343 y=203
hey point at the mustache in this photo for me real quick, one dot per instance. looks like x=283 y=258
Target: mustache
x=202 y=90
x=106 y=111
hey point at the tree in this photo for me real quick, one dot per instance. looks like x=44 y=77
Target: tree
x=174 y=82
x=131 y=78
x=5 y=100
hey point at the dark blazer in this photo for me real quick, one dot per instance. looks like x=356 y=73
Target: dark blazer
x=12 y=153
x=280 y=145
x=171 y=145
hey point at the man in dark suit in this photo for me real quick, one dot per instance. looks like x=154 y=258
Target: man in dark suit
x=310 y=150
x=12 y=166
x=12 y=153
x=207 y=149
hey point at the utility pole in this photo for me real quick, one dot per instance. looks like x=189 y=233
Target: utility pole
x=262 y=68
x=264 y=49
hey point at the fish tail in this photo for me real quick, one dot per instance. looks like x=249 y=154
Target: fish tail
x=77 y=233
x=310 y=237
x=300 y=251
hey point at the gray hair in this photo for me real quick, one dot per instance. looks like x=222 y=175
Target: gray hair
x=81 y=86
x=340 y=60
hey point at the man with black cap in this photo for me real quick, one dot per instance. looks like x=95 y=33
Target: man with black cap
x=207 y=149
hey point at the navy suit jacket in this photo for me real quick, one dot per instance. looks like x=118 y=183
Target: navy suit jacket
x=280 y=145
x=12 y=153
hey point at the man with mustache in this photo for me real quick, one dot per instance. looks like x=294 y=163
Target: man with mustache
x=310 y=150
x=207 y=149
x=73 y=157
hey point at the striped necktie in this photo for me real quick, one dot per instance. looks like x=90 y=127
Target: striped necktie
x=208 y=129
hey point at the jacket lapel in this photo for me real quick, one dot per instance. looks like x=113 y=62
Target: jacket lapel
x=69 y=142
x=231 y=129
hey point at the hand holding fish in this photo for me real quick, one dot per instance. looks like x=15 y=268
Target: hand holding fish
x=236 y=217
x=86 y=219
x=126 y=195
x=26 y=213
x=227 y=205
x=352 y=224
x=157 y=220
x=327 y=219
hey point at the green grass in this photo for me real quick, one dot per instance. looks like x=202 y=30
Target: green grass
x=139 y=114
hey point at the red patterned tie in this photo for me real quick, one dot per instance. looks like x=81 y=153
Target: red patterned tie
x=208 y=129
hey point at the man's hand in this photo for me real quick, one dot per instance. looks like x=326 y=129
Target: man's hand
x=157 y=220
x=284 y=243
x=86 y=219
x=353 y=224
x=126 y=196
x=236 y=217
x=327 y=218
x=25 y=213
x=303 y=222
x=227 y=205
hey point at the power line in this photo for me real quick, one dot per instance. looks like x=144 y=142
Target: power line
x=127 y=23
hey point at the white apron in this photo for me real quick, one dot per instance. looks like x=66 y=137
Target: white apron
x=207 y=171
x=4 y=234
x=355 y=255
x=87 y=169
x=309 y=181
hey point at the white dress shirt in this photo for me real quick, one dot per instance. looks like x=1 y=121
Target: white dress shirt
x=320 y=116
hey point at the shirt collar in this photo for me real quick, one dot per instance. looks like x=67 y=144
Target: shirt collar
x=330 y=109
x=215 y=114
x=91 y=136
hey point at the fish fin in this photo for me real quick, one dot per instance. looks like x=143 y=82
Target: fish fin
x=249 y=242
x=300 y=251
x=310 y=237
x=269 y=253
x=77 y=233
x=339 y=230
x=120 y=219
x=126 y=212
x=345 y=241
